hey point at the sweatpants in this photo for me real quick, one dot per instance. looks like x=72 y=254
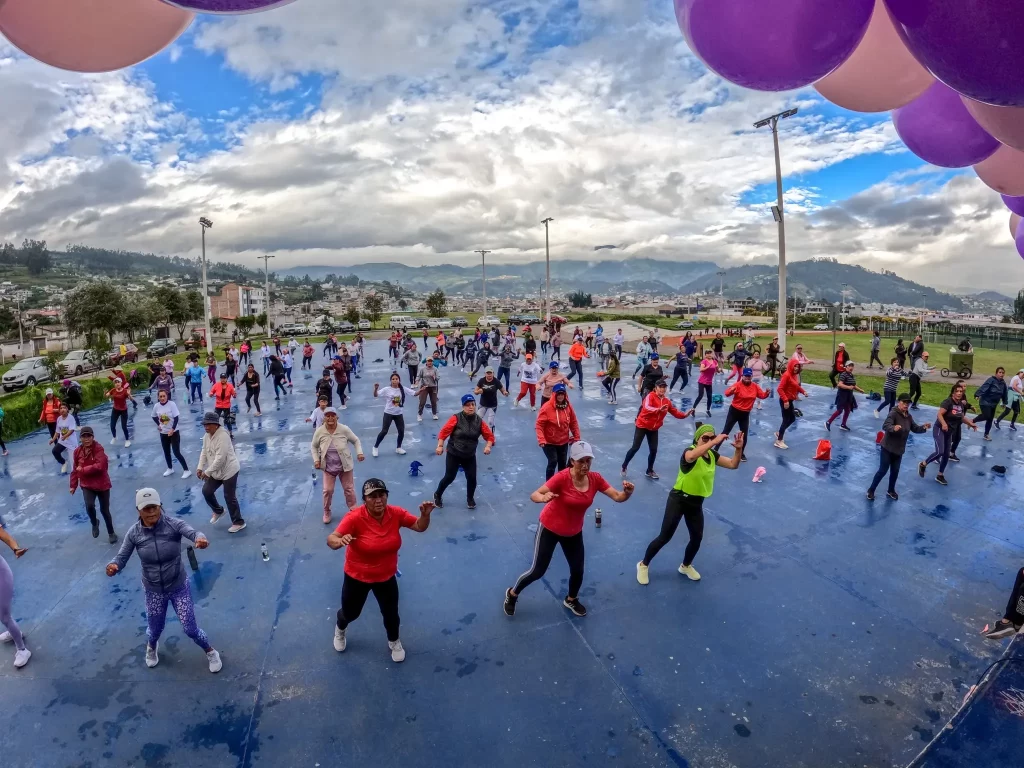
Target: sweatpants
x=431 y=394
x=399 y=422
x=652 y=447
x=452 y=464
x=680 y=373
x=736 y=417
x=1014 y=409
x=523 y=389
x=353 y=597
x=943 y=446
x=558 y=458
x=504 y=373
x=413 y=370
x=254 y=395
x=915 y=387
x=844 y=411
x=610 y=385
x=173 y=443
x=988 y=414
x=156 y=615
x=788 y=417
x=58 y=452
x=887 y=462
x=6 y=600
x=702 y=390
x=121 y=416
x=543 y=548
x=347 y=485
x=210 y=487
x=90 y=498
x=679 y=506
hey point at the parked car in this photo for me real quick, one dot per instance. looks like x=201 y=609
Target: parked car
x=529 y=319
x=821 y=327
x=459 y=322
x=847 y=328
x=754 y=326
x=162 y=347
x=26 y=373
x=399 y=322
x=80 y=361
x=439 y=322
x=488 y=321
x=421 y=322
x=364 y=325
x=345 y=326
x=685 y=324
x=114 y=356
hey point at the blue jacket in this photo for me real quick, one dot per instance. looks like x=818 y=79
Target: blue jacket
x=993 y=391
x=159 y=550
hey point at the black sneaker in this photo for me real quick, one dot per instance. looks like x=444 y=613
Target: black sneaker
x=652 y=474
x=893 y=495
x=95 y=530
x=112 y=537
x=437 y=502
x=743 y=458
x=921 y=468
x=828 y=425
x=844 y=428
x=577 y=608
x=954 y=457
x=1001 y=629
x=941 y=480
x=510 y=603
x=471 y=504
x=871 y=495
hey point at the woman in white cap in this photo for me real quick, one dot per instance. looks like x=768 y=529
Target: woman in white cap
x=332 y=455
x=13 y=634
x=218 y=465
x=462 y=431
x=372 y=534
x=157 y=538
x=66 y=438
x=566 y=496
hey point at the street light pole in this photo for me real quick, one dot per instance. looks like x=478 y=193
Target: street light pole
x=721 y=301
x=483 y=266
x=778 y=213
x=924 y=307
x=842 y=313
x=206 y=224
x=266 y=273
x=547 y=271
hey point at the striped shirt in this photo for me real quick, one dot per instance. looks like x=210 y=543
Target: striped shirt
x=892 y=378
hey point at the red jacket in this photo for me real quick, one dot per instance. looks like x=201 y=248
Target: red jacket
x=744 y=395
x=653 y=411
x=839 y=364
x=93 y=474
x=789 y=385
x=51 y=410
x=557 y=426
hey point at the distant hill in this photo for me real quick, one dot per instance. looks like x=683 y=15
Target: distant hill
x=992 y=296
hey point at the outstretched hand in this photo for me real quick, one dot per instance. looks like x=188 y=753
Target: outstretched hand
x=544 y=498
x=426 y=508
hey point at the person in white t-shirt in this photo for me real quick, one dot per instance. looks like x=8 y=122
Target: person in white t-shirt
x=265 y=354
x=529 y=373
x=1014 y=393
x=65 y=438
x=617 y=340
x=166 y=416
x=394 y=402
x=318 y=415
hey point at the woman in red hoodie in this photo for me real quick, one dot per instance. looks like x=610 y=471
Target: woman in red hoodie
x=557 y=427
x=744 y=393
x=652 y=415
x=90 y=472
x=788 y=389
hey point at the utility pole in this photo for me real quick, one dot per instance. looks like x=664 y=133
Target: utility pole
x=721 y=301
x=266 y=275
x=843 y=313
x=483 y=266
x=21 y=328
x=205 y=224
x=547 y=269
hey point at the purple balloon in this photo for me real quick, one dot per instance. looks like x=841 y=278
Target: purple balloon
x=773 y=45
x=1020 y=238
x=937 y=127
x=1015 y=204
x=227 y=6
x=976 y=47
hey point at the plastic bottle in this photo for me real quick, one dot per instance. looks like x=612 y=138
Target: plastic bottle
x=264 y=552
x=597 y=517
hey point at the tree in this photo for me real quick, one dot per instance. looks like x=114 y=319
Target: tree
x=580 y=299
x=217 y=325
x=190 y=309
x=373 y=303
x=140 y=314
x=244 y=324
x=7 y=320
x=435 y=303
x=54 y=362
x=95 y=307
x=261 y=321
x=403 y=304
x=8 y=254
x=352 y=314
x=36 y=256
x=1018 y=308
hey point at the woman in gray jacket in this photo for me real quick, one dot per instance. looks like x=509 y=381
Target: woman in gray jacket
x=331 y=454
x=157 y=538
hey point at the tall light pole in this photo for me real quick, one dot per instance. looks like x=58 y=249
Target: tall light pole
x=721 y=301
x=842 y=323
x=266 y=275
x=547 y=271
x=483 y=266
x=924 y=308
x=777 y=212
x=206 y=224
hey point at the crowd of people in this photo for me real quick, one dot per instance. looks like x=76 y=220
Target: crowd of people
x=370 y=530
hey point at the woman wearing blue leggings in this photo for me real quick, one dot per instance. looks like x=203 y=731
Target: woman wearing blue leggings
x=13 y=634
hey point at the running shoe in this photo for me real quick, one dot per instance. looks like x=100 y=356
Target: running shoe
x=641 y=574
x=327 y=517
x=374 y=451
x=877 y=414
x=95 y=530
x=922 y=468
x=954 y=457
x=236 y=527
x=471 y=503
x=1001 y=629
x=216 y=665
x=64 y=468
x=623 y=473
x=152 y=657
x=871 y=495
x=5 y=637
x=893 y=495
x=400 y=451
x=987 y=438
x=780 y=444
x=168 y=472
x=127 y=443
x=844 y=428
x=112 y=538
x=941 y=480
x=186 y=475
x=577 y=608
x=114 y=441
x=510 y=603
x=419 y=417
x=689 y=572
x=340 y=641
x=435 y=417
x=437 y=502
x=828 y=425
x=652 y=474
x=21 y=657
x=397 y=651
x=1013 y=428
x=216 y=516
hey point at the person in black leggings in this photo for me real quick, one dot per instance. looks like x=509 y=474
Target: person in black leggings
x=952 y=413
x=462 y=431
x=395 y=397
x=706 y=379
x=251 y=379
x=1013 y=617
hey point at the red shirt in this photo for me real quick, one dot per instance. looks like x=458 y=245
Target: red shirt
x=222 y=392
x=121 y=399
x=373 y=555
x=564 y=515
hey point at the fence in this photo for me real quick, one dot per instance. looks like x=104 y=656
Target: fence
x=999 y=339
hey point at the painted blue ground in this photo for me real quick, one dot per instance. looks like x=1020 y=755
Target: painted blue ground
x=828 y=631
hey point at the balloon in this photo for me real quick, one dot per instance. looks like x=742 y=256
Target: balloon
x=1015 y=204
x=91 y=35
x=937 y=127
x=773 y=46
x=880 y=75
x=975 y=47
x=228 y=6
x=1005 y=123
x=1019 y=240
x=1014 y=221
x=1003 y=171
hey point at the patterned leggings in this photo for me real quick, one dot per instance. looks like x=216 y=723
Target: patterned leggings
x=156 y=615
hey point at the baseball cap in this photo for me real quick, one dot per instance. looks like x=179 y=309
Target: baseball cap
x=553 y=364
x=849 y=363
x=662 y=382
x=558 y=388
x=488 y=369
x=529 y=356
x=905 y=398
x=842 y=344
x=748 y=371
x=86 y=431
x=146 y=497
x=373 y=485
x=655 y=356
x=329 y=410
x=468 y=399
x=49 y=391
x=223 y=375
x=580 y=450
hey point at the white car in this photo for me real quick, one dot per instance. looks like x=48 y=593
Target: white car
x=685 y=324
x=26 y=373
x=78 y=362
x=821 y=327
x=487 y=321
x=363 y=325
x=439 y=322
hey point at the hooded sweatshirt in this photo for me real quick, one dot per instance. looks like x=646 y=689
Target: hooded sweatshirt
x=653 y=411
x=557 y=426
x=789 y=385
x=744 y=395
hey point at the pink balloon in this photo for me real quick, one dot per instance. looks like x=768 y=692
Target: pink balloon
x=1005 y=123
x=92 y=35
x=1003 y=171
x=880 y=75
x=1014 y=223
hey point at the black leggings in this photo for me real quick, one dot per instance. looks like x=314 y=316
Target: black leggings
x=703 y=389
x=889 y=402
x=1015 y=605
x=1014 y=409
x=543 y=549
x=353 y=597
x=680 y=373
x=575 y=369
x=3 y=445
x=121 y=416
x=413 y=370
x=399 y=421
x=173 y=443
x=610 y=385
x=90 y=507
x=887 y=462
x=58 y=453
x=558 y=456
x=988 y=414
x=736 y=417
x=957 y=434
x=652 y=447
x=677 y=507
x=915 y=387
x=254 y=395
x=788 y=417
x=451 y=471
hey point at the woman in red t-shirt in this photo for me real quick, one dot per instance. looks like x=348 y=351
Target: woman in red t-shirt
x=372 y=534
x=119 y=395
x=566 y=496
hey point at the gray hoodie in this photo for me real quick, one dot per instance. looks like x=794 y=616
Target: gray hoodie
x=412 y=357
x=159 y=551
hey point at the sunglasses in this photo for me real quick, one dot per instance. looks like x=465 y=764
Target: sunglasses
x=707 y=438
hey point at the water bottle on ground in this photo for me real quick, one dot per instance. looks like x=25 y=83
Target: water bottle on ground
x=264 y=552
x=597 y=517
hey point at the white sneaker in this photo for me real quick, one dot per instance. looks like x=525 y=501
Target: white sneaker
x=877 y=415
x=344 y=407
x=64 y=468
x=21 y=657
x=236 y=528
x=397 y=651
x=168 y=472
x=435 y=417
x=215 y=517
x=533 y=407
x=689 y=572
x=6 y=638
x=374 y=451
x=780 y=444
x=641 y=574
x=419 y=417
x=114 y=441
x=400 y=451
x=186 y=475
x=216 y=665
x=152 y=657
x=340 y=641
x=127 y=443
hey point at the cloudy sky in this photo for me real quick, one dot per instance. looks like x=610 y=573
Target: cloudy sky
x=345 y=131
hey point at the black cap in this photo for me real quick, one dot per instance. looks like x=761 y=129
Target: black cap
x=86 y=431
x=905 y=398
x=373 y=485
